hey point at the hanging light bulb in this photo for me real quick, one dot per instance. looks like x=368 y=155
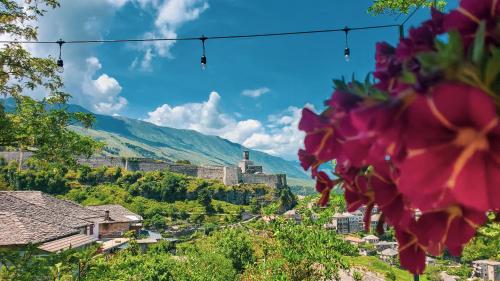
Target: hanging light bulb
x=347 y=50
x=60 y=62
x=203 y=62
x=347 y=54
x=203 y=57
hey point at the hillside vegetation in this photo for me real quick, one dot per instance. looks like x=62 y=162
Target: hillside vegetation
x=161 y=197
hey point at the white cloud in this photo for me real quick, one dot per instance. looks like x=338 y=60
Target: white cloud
x=282 y=136
x=101 y=94
x=171 y=14
x=255 y=93
x=91 y=19
x=117 y=3
x=177 y=12
x=279 y=136
x=205 y=117
x=77 y=20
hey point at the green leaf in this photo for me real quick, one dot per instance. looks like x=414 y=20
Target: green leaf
x=492 y=67
x=478 y=47
x=409 y=77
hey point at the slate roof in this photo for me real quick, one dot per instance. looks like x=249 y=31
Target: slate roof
x=117 y=213
x=16 y=229
x=56 y=205
x=11 y=202
x=34 y=217
x=371 y=237
x=389 y=252
x=73 y=242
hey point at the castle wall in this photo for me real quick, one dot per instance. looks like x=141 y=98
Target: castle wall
x=228 y=175
x=211 y=172
x=188 y=170
x=14 y=156
x=270 y=180
x=232 y=175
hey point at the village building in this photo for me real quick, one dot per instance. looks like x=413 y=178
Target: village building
x=117 y=220
x=346 y=223
x=388 y=255
x=486 y=270
x=372 y=239
x=293 y=215
x=383 y=245
x=374 y=220
x=49 y=223
x=353 y=240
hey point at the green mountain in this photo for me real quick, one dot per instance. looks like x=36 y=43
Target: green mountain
x=128 y=137
x=134 y=138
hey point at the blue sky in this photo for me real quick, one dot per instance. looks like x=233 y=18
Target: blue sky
x=253 y=89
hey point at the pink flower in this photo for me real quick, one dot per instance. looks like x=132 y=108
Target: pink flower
x=451 y=227
x=421 y=39
x=411 y=252
x=390 y=201
x=388 y=67
x=324 y=186
x=385 y=123
x=453 y=144
x=320 y=141
x=358 y=193
x=468 y=16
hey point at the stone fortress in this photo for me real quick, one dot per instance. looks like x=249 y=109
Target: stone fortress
x=246 y=171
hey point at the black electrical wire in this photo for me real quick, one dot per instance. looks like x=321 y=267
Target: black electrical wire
x=205 y=38
x=410 y=15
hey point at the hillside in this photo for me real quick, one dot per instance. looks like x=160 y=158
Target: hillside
x=135 y=138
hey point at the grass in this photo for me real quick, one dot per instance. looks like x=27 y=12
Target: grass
x=376 y=265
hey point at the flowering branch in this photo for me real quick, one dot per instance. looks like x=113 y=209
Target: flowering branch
x=423 y=142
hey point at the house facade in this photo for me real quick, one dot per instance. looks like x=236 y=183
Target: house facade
x=346 y=223
x=117 y=220
x=486 y=270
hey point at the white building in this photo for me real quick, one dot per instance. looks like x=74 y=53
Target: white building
x=372 y=239
x=346 y=223
x=486 y=270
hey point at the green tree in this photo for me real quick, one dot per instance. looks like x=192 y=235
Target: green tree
x=254 y=206
x=402 y=6
x=390 y=276
x=40 y=127
x=486 y=245
x=157 y=221
x=205 y=199
x=237 y=247
x=357 y=276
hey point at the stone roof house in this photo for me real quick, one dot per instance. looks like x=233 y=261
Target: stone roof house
x=31 y=217
x=293 y=215
x=52 y=224
x=19 y=230
x=372 y=239
x=388 y=255
x=382 y=245
x=117 y=220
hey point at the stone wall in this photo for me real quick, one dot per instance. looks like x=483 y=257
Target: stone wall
x=113 y=230
x=229 y=175
x=232 y=175
x=211 y=172
x=14 y=156
x=270 y=180
x=188 y=170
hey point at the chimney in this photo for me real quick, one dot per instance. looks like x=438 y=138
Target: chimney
x=246 y=155
x=106 y=215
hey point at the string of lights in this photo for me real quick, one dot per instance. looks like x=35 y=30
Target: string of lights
x=203 y=38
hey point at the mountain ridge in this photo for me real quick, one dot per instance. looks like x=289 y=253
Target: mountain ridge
x=128 y=137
